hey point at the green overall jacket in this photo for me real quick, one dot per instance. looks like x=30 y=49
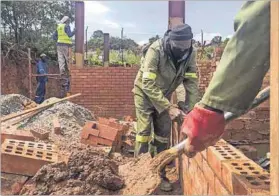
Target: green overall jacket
x=158 y=77
x=245 y=61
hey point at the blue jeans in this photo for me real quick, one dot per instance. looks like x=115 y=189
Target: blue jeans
x=40 y=92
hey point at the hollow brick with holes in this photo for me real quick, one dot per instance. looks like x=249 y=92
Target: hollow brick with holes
x=233 y=169
x=219 y=153
x=252 y=185
x=17 y=157
x=16 y=134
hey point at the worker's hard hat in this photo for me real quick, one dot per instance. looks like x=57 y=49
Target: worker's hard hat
x=64 y=19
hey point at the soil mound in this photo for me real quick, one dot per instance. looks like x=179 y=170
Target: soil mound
x=87 y=172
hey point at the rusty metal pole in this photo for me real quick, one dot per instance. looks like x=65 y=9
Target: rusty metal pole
x=30 y=73
x=176 y=13
x=79 y=37
x=176 y=17
x=106 y=50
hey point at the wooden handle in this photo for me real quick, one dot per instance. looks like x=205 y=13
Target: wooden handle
x=42 y=106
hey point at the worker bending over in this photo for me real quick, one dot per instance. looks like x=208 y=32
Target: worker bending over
x=41 y=80
x=237 y=80
x=168 y=62
x=62 y=36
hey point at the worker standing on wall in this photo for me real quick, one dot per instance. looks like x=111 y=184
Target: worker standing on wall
x=168 y=62
x=41 y=80
x=62 y=36
x=237 y=80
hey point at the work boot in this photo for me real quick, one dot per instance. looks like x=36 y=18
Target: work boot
x=140 y=148
x=166 y=185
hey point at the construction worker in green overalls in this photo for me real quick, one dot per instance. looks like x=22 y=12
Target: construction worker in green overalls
x=237 y=80
x=168 y=62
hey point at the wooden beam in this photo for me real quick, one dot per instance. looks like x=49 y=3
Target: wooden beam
x=39 y=107
x=274 y=103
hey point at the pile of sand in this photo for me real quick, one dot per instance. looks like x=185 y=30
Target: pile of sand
x=71 y=117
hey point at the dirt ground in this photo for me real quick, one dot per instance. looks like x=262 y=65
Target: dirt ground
x=86 y=170
x=90 y=171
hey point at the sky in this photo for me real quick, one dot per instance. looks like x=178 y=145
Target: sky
x=141 y=20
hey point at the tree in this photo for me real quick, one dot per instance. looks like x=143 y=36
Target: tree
x=153 y=39
x=97 y=41
x=98 y=34
x=33 y=22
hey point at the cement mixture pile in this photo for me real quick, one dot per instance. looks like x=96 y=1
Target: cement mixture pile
x=91 y=172
x=72 y=118
x=87 y=172
x=12 y=103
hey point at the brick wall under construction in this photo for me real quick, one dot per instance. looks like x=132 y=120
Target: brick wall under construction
x=223 y=170
x=107 y=91
x=249 y=129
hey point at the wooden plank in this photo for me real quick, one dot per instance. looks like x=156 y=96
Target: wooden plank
x=14 y=115
x=274 y=114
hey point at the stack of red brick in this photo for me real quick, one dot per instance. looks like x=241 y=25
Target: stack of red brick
x=105 y=132
x=223 y=170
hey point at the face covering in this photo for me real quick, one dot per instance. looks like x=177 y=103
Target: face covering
x=180 y=48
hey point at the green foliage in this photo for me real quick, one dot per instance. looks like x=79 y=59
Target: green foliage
x=129 y=57
x=32 y=23
x=97 y=41
x=115 y=58
x=153 y=39
x=129 y=47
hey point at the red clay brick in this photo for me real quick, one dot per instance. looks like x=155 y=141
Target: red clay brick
x=257 y=125
x=208 y=173
x=18 y=157
x=56 y=126
x=16 y=134
x=252 y=185
x=234 y=170
x=40 y=133
x=95 y=134
x=236 y=124
x=219 y=187
x=219 y=153
x=199 y=159
x=249 y=151
x=11 y=184
x=201 y=183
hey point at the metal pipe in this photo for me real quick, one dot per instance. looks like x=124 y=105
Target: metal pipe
x=30 y=73
x=106 y=50
x=176 y=13
x=122 y=46
x=86 y=49
x=79 y=37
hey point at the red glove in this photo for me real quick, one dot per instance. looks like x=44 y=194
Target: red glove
x=203 y=128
